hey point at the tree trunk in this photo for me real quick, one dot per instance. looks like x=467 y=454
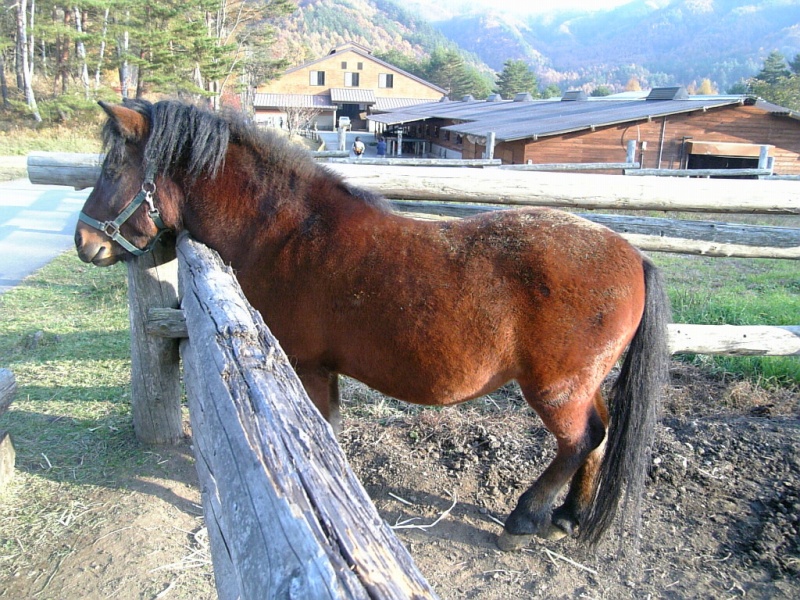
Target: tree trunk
x=80 y=50
x=3 y=82
x=22 y=44
x=102 y=52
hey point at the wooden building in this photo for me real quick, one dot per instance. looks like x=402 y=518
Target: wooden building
x=348 y=82
x=671 y=130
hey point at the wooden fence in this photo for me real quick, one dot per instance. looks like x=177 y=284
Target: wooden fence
x=258 y=415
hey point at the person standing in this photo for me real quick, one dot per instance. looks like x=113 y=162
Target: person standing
x=380 y=148
x=358 y=147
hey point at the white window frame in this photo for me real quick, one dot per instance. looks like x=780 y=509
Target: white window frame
x=386 y=80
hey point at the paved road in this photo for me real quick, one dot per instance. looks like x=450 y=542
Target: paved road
x=37 y=223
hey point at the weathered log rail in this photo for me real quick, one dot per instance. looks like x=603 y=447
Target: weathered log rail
x=286 y=515
x=508 y=187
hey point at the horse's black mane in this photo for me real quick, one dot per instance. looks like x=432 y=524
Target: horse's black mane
x=191 y=140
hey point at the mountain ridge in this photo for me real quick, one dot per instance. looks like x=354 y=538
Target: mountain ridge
x=658 y=42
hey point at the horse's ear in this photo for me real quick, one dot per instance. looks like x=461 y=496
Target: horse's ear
x=131 y=124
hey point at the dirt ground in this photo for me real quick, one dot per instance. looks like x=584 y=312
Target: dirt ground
x=720 y=513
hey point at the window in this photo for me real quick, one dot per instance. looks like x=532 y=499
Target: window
x=317 y=78
x=344 y=64
x=385 y=80
x=360 y=66
x=351 y=80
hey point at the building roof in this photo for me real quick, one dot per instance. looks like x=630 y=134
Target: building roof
x=394 y=103
x=353 y=95
x=321 y=101
x=522 y=119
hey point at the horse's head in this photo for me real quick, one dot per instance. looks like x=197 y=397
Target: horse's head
x=120 y=218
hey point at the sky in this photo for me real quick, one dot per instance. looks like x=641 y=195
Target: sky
x=544 y=6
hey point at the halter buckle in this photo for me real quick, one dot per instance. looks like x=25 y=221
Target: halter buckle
x=149 y=189
x=111 y=229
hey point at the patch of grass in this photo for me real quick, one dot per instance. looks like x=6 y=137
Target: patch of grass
x=716 y=291
x=81 y=136
x=64 y=334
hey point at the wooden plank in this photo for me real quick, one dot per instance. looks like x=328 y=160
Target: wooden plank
x=572 y=166
x=422 y=162
x=578 y=190
x=733 y=340
x=286 y=515
x=155 y=360
x=698 y=172
x=8 y=389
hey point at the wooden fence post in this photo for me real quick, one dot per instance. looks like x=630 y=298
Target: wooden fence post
x=286 y=516
x=8 y=388
x=155 y=361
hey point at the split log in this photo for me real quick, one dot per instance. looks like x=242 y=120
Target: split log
x=8 y=389
x=734 y=340
x=697 y=339
x=76 y=170
x=707 y=238
x=576 y=190
x=285 y=513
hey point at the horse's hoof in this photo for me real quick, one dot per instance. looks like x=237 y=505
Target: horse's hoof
x=508 y=542
x=552 y=533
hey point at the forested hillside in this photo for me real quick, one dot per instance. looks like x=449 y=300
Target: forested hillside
x=660 y=43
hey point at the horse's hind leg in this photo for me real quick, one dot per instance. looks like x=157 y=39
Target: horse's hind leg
x=579 y=429
x=582 y=488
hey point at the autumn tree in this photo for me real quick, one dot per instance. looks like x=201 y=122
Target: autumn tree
x=633 y=85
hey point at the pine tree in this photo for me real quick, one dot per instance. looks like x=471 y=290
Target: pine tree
x=517 y=78
x=774 y=68
x=447 y=69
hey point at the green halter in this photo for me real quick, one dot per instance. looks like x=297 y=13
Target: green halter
x=112 y=228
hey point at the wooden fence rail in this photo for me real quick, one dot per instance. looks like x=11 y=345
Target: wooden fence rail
x=508 y=187
x=286 y=516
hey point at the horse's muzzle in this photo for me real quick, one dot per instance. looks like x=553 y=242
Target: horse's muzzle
x=92 y=249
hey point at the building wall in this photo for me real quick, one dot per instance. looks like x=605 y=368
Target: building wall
x=298 y=82
x=742 y=124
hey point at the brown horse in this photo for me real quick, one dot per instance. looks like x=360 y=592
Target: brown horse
x=431 y=313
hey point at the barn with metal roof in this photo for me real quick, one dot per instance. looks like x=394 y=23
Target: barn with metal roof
x=579 y=129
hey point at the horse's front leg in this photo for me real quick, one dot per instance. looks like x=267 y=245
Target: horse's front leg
x=322 y=386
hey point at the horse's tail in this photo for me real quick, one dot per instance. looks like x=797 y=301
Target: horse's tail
x=634 y=411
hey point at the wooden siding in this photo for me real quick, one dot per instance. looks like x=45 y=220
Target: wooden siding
x=298 y=81
x=740 y=124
